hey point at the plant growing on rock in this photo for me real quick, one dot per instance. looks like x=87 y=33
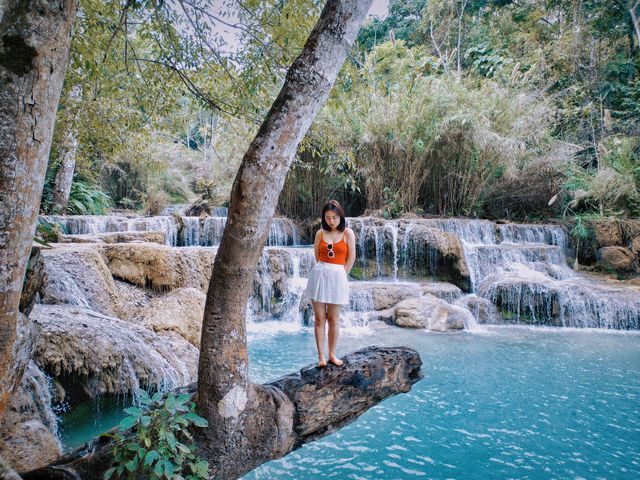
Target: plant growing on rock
x=161 y=445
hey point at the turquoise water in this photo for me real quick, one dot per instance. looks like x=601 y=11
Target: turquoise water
x=86 y=420
x=508 y=403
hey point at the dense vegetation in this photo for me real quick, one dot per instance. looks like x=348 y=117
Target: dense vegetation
x=497 y=108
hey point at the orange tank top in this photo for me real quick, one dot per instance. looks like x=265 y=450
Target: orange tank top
x=340 y=250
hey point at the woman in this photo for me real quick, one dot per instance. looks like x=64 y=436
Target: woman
x=328 y=288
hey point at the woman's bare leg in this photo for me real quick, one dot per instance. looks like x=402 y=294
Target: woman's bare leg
x=320 y=313
x=333 y=318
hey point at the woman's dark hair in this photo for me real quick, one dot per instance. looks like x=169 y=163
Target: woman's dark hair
x=334 y=206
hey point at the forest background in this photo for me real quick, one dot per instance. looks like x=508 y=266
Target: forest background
x=526 y=109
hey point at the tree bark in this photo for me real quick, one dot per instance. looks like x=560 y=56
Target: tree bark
x=226 y=397
x=312 y=403
x=34 y=52
x=67 y=156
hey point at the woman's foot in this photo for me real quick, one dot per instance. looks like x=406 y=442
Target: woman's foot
x=322 y=362
x=335 y=360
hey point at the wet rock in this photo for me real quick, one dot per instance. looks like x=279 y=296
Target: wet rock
x=180 y=311
x=28 y=433
x=78 y=275
x=135 y=298
x=114 y=237
x=446 y=291
x=160 y=267
x=382 y=295
x=34 y=279
x=482 y=309
x=524 y=296
x=431 y=313
x=618 y=259
x=91 y=354
x=433 y=252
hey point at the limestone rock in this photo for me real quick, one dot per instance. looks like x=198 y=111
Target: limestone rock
x=438 y=253
x=446 y=291
x=431 y=313
x=482 y=309
x=91 y=354
x=28 y=433
x=618 y=259
x=160 y=267
x=180 y=311
x=114 y=237
x=380 y=295
x=78 y=275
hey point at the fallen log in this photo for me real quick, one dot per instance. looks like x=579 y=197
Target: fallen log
x=307 y=405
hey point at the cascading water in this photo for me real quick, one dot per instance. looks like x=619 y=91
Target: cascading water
x=88 y=224
x=186 y=232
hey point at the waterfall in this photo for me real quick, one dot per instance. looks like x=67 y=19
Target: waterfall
x=208 y=231
x=469 y=231
x=92 y=224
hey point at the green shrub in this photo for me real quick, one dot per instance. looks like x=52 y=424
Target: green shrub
x=86 y=199
x=161 y=445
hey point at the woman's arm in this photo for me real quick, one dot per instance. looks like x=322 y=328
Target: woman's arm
x=316 y=246
x=351 y=256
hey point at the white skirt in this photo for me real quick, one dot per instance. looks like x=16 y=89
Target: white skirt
x=328 y=283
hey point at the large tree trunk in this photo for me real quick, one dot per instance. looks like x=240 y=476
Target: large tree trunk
x=34 y=52
x=242 y=417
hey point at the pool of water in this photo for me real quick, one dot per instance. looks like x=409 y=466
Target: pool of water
x=504 y=403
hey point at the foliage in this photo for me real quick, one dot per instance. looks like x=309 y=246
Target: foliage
x=86 y=199
x=161 y=445
x=46 y=231
x=613 y=187
x=425 y=140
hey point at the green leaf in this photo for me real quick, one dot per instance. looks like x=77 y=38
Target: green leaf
x=109 y=473
x=156 y=397
x=158 y=468
x=132 y=465
x=145 y=420
x=135 y=411
x=132 y=447
x=150 y=457
x=171 y=440
x=127 y=422
x=196 y=419
x=169 y=468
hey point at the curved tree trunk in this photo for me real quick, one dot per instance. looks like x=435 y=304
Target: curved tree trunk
x=34 y=52
x=243 y=418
